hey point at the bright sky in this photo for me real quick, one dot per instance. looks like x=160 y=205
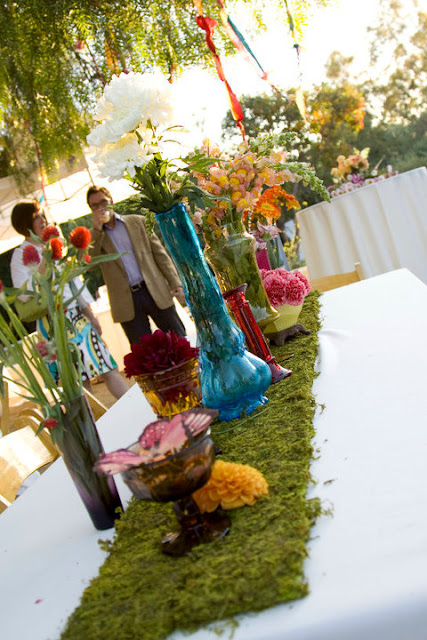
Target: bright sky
x=340 y=27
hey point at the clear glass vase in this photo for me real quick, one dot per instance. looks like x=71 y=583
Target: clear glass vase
x=233 y=379
x=232 y=258
x=80 y=447
x=173 y=390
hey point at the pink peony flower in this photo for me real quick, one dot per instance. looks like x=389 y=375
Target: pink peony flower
x=285 y=287
x=304 y=280
x=30 y=256
x=294 y=290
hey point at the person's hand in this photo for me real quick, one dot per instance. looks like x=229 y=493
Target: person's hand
x=179 y=295
x=96 y=325
x=99 y=217
x=87 y=311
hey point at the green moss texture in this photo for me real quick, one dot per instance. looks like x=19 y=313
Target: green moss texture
x=142 y=594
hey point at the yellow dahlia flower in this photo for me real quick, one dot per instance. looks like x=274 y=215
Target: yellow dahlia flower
x=230 y=486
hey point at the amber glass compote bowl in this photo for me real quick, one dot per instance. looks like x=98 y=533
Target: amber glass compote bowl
x=175 y=478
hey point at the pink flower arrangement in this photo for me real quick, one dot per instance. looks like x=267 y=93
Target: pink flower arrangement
x=353 y=173
x=285 y=287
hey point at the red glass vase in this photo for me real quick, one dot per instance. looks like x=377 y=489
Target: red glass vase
x=255 y=341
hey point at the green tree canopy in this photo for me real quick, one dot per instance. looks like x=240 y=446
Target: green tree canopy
x=56 y=55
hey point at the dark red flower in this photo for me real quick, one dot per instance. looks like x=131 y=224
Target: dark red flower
x=1 y=286
x=80 y=237
x=42 y=348
x=50 y=232
x=50 y=423
x=158 y=352
x=87 y=258
x=30 y=255
x=57 y=246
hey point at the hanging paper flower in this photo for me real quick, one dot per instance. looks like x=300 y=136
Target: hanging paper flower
x=230 y=486
x=30 y=256
x=80 y=237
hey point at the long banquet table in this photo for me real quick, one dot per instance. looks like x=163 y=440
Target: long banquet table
x=367 y=564
x=382 y=225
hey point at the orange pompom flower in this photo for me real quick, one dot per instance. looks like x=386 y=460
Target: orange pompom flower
x=56 y=246
x=230 y=486
x=50 y=232
x=80 y=237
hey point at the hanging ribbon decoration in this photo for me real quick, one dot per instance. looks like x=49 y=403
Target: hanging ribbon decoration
x=241 y=45
x=208 y=25
x=299 y=95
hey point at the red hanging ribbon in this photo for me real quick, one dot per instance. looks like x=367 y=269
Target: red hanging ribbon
x=208 y=25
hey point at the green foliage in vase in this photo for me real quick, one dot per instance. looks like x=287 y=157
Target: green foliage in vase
x=23 y=354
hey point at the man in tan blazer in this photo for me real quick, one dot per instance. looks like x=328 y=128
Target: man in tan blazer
x=142 y=283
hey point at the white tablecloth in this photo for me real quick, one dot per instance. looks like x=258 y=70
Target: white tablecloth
x=383 y=226
x=367 y=565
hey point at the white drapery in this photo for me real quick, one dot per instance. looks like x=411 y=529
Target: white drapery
x=383 y=226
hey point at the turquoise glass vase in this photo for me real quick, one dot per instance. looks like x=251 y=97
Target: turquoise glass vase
x=233 y=379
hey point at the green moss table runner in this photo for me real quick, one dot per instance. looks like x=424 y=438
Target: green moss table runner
x=141 y=593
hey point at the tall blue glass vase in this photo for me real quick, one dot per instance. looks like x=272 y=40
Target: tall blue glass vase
x=233 y=379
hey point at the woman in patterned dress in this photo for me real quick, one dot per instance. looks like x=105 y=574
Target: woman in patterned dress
x=96 y=358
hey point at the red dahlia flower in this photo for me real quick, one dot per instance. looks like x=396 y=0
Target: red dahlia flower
x=158 y=352
x=57 y=246
x=50 y=423
x=80 y=237
x=50 y=232
x=30 y=256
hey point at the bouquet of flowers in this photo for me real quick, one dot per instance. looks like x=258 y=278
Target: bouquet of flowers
x=247 y=185
x=353 y=173
x=133 y=141
x=23 y=354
